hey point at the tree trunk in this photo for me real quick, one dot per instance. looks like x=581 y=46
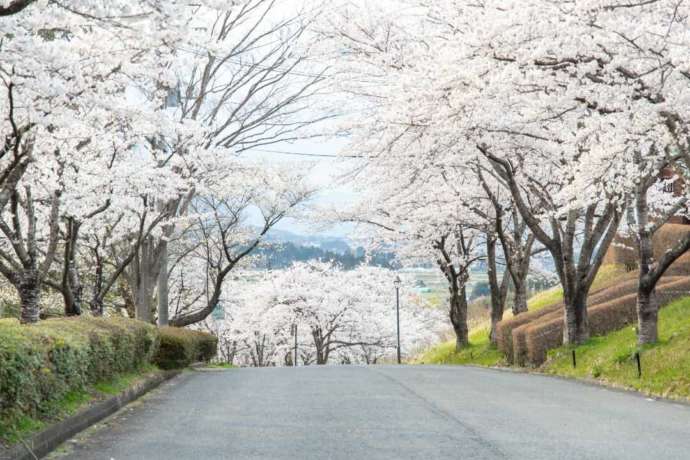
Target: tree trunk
x=29 y=293
x=576 y=330
x=458 y=317
x=146 y=276
x=497 y=297
x=96 y=303
x=647 y=303
x=163 y=285
x=142 y=304
x=647 y=315
x=520 y=302
x=71 y=284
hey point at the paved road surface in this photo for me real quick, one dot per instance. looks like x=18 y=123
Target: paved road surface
x=386 y=413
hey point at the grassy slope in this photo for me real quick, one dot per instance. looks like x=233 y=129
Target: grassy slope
x=610 y=359
x=480 y=351
x=12 y=431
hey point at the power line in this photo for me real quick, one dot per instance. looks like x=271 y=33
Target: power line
x=304 y=154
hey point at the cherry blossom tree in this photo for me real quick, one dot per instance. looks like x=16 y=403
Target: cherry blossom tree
x=219 y=223
x=453 y=90
x=64 y=103
x=340 y=316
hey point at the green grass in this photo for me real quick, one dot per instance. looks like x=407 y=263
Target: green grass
x=545 y=298
x=15 y=429
x=610 y=358
x=607 y=276
x=479 y=352
x=123 y=381
x=220 y=366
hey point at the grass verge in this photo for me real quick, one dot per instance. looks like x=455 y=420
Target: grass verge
x=481 y=352
x=219 y=366
x=14 y=429
x=610 y=359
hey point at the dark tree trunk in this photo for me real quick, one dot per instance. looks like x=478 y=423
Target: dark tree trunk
x=498 y=290
x=96 y=303
x=163 y=285
x=576 y=329
x=648 y=315
x=458 y=317
x=520 y=302
x=322 y=347
x=29 y=288
x=576 y=267
x=71 y=284
x=457 y=280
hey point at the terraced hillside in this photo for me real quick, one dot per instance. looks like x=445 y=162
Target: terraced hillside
x=526 y=339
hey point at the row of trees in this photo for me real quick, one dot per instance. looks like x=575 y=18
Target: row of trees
x=123 y=125
x=494 y=130
x=341 y=316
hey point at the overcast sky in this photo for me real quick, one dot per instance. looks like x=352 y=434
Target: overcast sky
x=325 y=175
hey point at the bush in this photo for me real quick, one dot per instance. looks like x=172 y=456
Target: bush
x=504 y=329
x=480 y=289
x=181 y=347
x=520 y=350
x=516 y=349
x=604 y=316
x=41 y=363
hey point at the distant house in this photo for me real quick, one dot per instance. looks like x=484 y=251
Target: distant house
x=675 y=187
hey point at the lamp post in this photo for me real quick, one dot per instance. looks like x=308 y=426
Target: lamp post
x=293 y=330
x=397 y=284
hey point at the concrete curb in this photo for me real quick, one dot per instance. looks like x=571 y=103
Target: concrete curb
x=41 y=444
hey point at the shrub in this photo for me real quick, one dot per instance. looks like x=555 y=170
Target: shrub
x=552 y=331
x=181 y=347
x=604 y=316
x=624 y=249
x=667 y=237
x=41 y=363
x=504 y=329
x=520 y=357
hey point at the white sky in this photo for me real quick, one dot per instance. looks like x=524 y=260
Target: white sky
x=324 y=175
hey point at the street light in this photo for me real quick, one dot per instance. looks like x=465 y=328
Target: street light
x=397 y=284
x=293 y=331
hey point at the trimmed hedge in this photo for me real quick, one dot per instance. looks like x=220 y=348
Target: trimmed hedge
x=181 y=347
x=504 y=329
x=525 y=338
x=520 y=355
x=604 y=317
x=624 y=250
x=41 y=363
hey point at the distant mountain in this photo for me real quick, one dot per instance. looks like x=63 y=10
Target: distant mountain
x=327 y=243
x=282 y=254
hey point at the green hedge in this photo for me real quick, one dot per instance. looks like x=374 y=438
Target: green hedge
x=182 y=347
x=41 y=363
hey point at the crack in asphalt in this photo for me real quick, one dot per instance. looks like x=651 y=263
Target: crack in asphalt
x=439 y=411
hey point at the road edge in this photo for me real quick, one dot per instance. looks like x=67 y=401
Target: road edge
x=583 y=381
x=42 y=443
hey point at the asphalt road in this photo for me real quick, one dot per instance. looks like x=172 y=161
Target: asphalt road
x=385 y=412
